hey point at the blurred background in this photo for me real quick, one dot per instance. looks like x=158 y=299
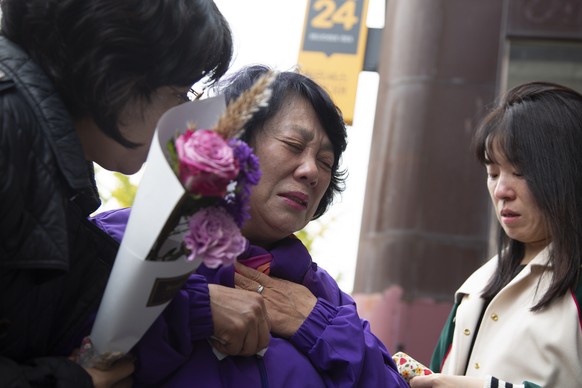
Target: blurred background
x=412 y=78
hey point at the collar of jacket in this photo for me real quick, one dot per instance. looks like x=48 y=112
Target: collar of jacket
x=476 y=283
x=38 y=90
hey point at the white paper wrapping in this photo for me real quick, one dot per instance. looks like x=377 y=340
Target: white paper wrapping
x=138 y=289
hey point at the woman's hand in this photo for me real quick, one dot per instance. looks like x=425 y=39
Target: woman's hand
x=439 y=380
x=241 y=325
x=288 y=304
x=117 y=375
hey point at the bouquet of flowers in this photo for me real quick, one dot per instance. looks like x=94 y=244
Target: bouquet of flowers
x=189 y=207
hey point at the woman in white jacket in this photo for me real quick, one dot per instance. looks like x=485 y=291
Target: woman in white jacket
x=516 y=321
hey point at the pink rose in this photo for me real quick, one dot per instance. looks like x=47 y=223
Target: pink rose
x=206 y=162
x=214 y=237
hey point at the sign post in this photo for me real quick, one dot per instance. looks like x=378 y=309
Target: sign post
x=333 y=48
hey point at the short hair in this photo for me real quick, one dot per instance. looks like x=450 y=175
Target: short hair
x=537 y=126
x=100 y=54
x=286 y=84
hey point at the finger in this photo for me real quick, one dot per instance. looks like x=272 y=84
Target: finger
x=252 y=274
x=122 y=369
x=125 y=383
x=231 y=345
x=251 y=342
x=232 y=349
x=246 y=346
x=242 y=282
x=257 y=338
x=420 y=382
x=264 y=333
x=119 y=371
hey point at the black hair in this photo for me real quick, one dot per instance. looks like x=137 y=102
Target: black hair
x=537 y=126
x=285 y=85
x=100 y=54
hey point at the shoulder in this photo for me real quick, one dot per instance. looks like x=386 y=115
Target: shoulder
x=112 y=222
x=33 y=110
x=30 y=104
x=41 y=164
x=478 y=280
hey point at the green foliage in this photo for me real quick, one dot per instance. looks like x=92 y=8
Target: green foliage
x=306 y=238
x=121 y=189
x=311 y=232
x=125 y=191
x=316 y=229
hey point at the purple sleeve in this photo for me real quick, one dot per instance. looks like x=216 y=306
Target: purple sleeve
x=112 y=222
x=168 y=342
x=340 y=343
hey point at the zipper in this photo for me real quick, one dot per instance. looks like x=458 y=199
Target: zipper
x=262 y=372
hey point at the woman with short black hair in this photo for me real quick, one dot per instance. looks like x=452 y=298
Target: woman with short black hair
x=81 y=81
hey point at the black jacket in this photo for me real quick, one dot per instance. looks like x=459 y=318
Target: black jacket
x=54 y=264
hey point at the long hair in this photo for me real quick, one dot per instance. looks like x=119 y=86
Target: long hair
x=538 y=127
x=286 y=84
x=100 y=54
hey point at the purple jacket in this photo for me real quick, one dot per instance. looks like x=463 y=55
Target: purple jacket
x=333 y=348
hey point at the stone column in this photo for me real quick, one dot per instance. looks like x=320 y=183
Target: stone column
x=426 y=216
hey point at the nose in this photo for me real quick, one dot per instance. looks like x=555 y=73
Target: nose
x=307 y=171
x=504 y=188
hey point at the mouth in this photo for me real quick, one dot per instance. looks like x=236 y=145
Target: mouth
x=508 y=213
x=509 y=217
x=297 y=197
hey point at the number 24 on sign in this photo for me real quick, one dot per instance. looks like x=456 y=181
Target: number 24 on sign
x=330 y=14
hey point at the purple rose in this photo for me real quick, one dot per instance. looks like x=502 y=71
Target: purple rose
x=206 y=162
x=214 y=237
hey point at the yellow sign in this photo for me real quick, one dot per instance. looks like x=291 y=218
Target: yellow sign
x=333 y=48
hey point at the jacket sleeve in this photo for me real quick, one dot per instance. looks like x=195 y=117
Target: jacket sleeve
x=444 y=343
x=168 y=342
x=340 y=343
x=492 y=382
x=43 y=372
x=32 y=237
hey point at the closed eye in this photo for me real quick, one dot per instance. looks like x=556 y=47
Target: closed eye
x=296 y=147
x=492 y=171
x=327 y=163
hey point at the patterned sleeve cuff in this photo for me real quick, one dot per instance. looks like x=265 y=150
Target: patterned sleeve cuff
x=494 y=382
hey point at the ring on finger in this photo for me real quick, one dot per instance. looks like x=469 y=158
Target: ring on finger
x=260 y=289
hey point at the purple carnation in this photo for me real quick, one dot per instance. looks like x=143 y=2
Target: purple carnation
x=248 y=161
x=214 y=237
x=249 y=175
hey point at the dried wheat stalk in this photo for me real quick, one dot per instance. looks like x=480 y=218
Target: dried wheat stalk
x=237 y=113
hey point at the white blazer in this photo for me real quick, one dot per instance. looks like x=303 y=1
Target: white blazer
x=513 y=343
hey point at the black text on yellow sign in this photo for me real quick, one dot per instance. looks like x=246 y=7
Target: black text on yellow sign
x=333 y=48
